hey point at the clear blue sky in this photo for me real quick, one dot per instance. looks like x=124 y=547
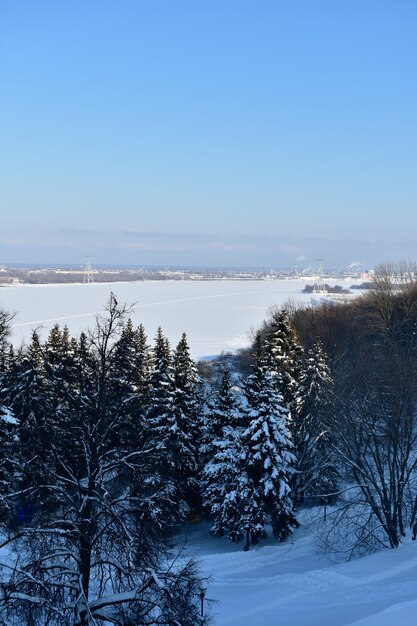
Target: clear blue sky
x=208 y=132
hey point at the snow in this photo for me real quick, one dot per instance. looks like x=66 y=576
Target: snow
x=7 y=416
x=291 y=584
x=216 y=315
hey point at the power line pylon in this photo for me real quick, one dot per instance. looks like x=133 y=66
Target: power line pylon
x=88 y=272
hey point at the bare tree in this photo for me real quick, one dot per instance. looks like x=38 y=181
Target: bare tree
x=376 y=439
x=5 y=319
x=392 y=279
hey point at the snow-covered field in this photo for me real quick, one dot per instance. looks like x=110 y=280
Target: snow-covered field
x=291 y=584
x=216 y=315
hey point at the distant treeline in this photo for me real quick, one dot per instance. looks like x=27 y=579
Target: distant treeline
x=327 y=288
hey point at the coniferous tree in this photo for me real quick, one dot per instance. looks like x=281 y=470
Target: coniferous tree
x=30 y=400
x=132 y=361
x=184 y=424
x=97 y=554
x=283 y=354
x=230 y=495
x=8 y=434
x=58 y=354
x=161 y=386
x=131 y=377
x=225 y=410
x=248 y=477
x=269 y=459
x=317 y=473
x=221 y=411
x=224 y=494
x=160 y=409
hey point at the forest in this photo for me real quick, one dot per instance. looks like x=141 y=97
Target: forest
x=111 y=441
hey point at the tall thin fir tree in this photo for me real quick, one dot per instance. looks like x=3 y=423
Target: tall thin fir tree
x=223 y=410
x=131 y=376
x=58 y=354
x=225 y=495
x=269 y=457
x=8 y=431
x=317 y=476
x=184 y=424
x=31 y=402
x=160 y=409
x=132 y=363
x=283 y=354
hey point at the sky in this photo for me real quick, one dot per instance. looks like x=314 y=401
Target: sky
x=209 y=132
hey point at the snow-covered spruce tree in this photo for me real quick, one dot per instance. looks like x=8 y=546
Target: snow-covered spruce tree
x=142 y=361
x=7 y=437
x=223 y=410
x=131 y=375
x=184 y=424
x=7 y=433
x=85 y=561
x=60 y=363
x=132 y=365
x=57 y=350
x=226 y=487
x=317 y=473
x=161 y=387
x=248 y=478
x=7 y=420
x=29 y=397
x=269 y=460
x=230 y=495
x=159 y=409
x=283 y=355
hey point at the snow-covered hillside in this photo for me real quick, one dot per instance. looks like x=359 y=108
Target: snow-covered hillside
x=291 y=584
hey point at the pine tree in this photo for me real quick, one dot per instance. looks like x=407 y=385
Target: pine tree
x=248 y=478
x=224 y=411
x=58 y=354
x=97 y=552
x=131 y=370
x=31 y=403
x=268 y=450
x=158 y=423
x=184 y=424
x=8 y=434
x=161 y=386
x=223 y=475
x=283 y=354
x=317 y=473
x=230 y=495
x=132 y=360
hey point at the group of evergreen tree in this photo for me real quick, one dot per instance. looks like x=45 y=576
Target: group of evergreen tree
x=269 y=440
x=108 y=443
x=99 y=463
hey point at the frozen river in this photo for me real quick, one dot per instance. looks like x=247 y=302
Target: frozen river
x=216 y=315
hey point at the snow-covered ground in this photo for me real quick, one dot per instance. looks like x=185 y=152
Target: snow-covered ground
x=216 y=315
x=291 y=584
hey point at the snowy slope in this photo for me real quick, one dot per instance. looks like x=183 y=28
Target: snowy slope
x=290 y=584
